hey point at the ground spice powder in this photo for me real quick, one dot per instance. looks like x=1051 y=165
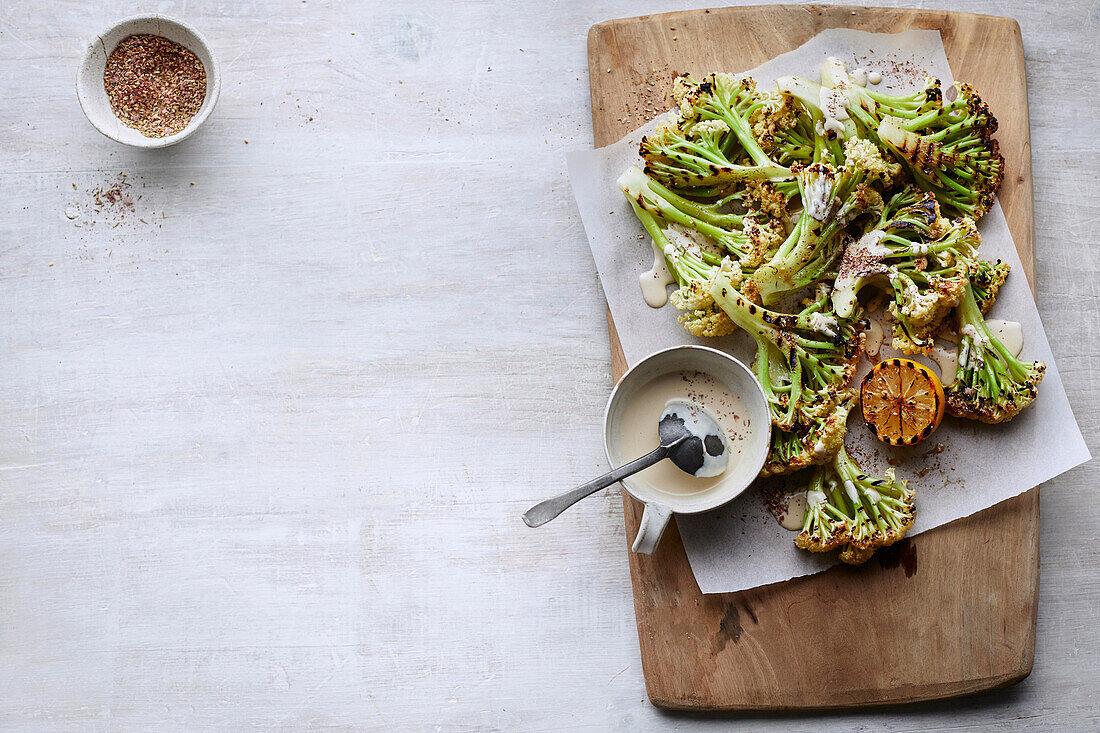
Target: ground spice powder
x=154 y=85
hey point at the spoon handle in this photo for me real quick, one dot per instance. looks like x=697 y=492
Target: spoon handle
x=542 y=513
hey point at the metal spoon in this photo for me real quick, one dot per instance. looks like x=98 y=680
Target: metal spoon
x=690 y=437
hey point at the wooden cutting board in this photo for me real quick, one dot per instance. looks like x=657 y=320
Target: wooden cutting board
x=946 y=613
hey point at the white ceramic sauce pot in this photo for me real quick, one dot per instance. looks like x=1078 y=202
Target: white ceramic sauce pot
x=661 y=505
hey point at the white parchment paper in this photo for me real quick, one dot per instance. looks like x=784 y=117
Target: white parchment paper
x=963 y=468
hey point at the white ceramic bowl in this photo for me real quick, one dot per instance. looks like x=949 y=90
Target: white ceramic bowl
x=661 y=505
x=93 y=97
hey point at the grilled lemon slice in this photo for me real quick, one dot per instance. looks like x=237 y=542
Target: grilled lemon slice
x=902 y=401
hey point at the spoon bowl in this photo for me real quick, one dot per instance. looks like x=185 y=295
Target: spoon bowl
x=705 y=453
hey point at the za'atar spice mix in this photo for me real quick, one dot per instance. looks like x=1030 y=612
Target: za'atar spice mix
x=154 y=85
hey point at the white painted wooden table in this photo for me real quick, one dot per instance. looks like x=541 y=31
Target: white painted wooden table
x=266 y=437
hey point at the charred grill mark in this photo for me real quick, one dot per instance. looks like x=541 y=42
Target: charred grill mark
x=925 y=209
x=780 y=320
x=933 y=92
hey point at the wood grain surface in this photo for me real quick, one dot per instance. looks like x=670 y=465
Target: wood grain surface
x=949 y=612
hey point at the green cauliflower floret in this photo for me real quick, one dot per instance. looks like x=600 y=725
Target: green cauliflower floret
x=867 y=107
x=920 y=309
x=734 y=101
x=824 y=526
x=986 y=278
x=764 y=239
x=687 y=264
x=802 y=359
x=715 y=130
x=881 y=510
x=991 y=385
x=830 y=425
x=815 y=439
x=776 y=114
x=826 y=132
x=920 y=259
x=892 y=242
x=923 y=298
x=697 y=155
x=794 y=144
x=831 y=199
x=847 y=508
x=768 y=197
x=951 y=152
x=866 y=155
x=701 y=317
x=722 y=227
x=917 y=314
x=947 y=147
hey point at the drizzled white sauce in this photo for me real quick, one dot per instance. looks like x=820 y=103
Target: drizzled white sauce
x=972 y=333
x=655 y=280
x=1009 y=333
x=824 y=324
x=920 y=248
x=873 y=495
x=874 y=77
x=874 y=338
x=871 y=244
x=815 y=498
x=819 y=197
x=834 y=105
x=684 y=240
x=796 y=511
x=948 y=362
x=850 y=490
x=859 y=77
x=819 y=448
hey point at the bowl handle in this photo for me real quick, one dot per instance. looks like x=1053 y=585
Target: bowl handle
x=654 y=520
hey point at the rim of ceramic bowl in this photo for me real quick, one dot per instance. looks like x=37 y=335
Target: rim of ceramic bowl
x=86 y=87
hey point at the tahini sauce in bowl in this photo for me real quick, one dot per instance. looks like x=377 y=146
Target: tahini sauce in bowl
x=721 y=385
x=637 y=429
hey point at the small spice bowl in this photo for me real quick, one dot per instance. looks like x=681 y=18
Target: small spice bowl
x=93 y=95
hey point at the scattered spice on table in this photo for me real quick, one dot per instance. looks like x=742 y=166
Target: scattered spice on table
x=154 y=85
